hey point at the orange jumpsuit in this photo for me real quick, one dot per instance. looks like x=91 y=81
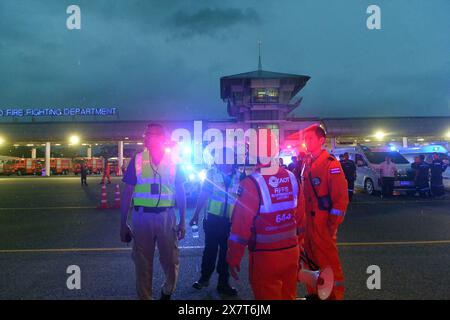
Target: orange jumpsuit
x=265 y=218
x=107 y=174
x=324 y=216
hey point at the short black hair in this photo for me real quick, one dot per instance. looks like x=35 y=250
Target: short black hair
x=154 y=125
x=422 y=157
x=318 y=130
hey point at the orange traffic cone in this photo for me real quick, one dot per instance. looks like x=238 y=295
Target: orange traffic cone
x=117 y=198
x=104 y=201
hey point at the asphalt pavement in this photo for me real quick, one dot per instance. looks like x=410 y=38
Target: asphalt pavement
x=48 y=224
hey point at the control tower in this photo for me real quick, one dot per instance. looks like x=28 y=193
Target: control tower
x=261 y=98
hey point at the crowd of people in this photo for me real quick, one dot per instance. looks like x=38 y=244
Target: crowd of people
x=428 y=175
x=288 y=221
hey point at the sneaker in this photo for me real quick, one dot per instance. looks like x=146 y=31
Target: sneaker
x=227 y=290
x=200 y=284
x=165 y=296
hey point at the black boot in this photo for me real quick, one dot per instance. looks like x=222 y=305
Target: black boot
x=165 y=296
x=226 y=289
x=201 y=283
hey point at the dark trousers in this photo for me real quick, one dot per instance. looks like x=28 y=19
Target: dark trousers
x=437 y=186
x=217 y=231
x=351 y=187
x=84 y=180
x=423 y=187
x=387 y=186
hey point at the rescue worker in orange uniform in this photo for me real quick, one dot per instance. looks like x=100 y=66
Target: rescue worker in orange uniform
x=326 y=200
x=107 y=173
x=265 y=218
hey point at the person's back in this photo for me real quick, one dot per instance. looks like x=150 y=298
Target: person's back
x=83 y=171
x=265 y=219
x=83 y=174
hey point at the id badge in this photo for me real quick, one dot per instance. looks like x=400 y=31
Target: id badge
x=154 y=188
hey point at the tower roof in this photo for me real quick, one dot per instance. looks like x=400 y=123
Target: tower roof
x=245 y=78
x=262 y=74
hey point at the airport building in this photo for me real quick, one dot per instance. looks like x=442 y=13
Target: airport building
x=257 y=99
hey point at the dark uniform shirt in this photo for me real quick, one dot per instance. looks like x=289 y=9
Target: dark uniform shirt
x=422 y=173
x=437 y=168
x=349 y=168
x=83 y=171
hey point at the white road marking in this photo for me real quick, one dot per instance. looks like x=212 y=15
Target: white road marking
x=119 y=249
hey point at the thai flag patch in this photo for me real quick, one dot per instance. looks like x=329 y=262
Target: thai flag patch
x=335 y=170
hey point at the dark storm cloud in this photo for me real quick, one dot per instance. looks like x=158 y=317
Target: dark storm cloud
x=122 y=57
x=210 y=21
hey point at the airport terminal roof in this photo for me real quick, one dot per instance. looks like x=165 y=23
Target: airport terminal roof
x=103 y=131
x=393 y=126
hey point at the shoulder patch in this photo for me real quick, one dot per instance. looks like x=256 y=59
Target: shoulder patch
x=335 y=170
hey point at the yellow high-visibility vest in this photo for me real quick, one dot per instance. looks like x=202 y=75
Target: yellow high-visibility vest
x=222 y=201
x=165 y=177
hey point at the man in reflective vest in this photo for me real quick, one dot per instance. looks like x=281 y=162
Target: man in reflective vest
x=220 y=191
x=266 y=220
x=155 y=185
x=326 y=200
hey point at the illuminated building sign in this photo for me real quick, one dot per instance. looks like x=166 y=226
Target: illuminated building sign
x=57 y=112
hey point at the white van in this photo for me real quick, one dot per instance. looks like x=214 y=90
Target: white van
x=368 y=162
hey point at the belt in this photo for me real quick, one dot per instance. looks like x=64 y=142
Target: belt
x=152 y=209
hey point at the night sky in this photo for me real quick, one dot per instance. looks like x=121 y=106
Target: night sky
x=163 y=59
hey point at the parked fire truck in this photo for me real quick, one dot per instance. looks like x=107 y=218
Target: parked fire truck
x=23 y=166
x=60 y=166
x=93 y=165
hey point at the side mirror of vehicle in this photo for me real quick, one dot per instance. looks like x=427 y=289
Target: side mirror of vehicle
x=360 y=163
